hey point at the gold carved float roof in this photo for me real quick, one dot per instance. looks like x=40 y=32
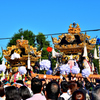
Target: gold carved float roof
x=23 y=49
x=73 y=41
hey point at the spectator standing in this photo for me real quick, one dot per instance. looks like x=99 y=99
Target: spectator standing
x=19 y=83
x=64 y=89
x=24 y=92
x=2 y=94
x=12 y=93
x=36 y=86
x=28 y=84
x=78 y=95
x=96 y=93
x=52 y=90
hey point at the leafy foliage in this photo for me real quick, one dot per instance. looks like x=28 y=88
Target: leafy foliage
x=38 y=41
x=41 y=41
x=53 y=60
x=28 y=35
x=45 y=53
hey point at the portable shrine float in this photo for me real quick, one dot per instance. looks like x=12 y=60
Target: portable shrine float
x=76 y=45
x=17 y=55
x=74 y=41
x=20 y=57
x=72 y=44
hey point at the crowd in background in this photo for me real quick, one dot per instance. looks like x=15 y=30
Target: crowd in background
x=65 y=88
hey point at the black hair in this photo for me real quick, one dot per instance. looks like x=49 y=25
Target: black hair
x=12 y=93
x=13 y=97
x=11 y=89
x=79 y=84
x=86 y=80
x=69 y=76
x=20 y=81
x=88 y=85
x=1 y=84
x=64 y=86
x=96 y=93
x=60 y=98
x=12 y=83
x=2 y=92
x=78 y=95
x=52 y=90
x=24 y=92
x=36 y=85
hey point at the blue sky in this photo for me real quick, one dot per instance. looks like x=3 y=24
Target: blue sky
x=47 y=16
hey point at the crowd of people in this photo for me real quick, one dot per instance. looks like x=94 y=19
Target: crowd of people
x=65 y=88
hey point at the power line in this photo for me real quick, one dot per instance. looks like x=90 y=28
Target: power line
x=56 y=33
x=4 y=38
x=91 y=30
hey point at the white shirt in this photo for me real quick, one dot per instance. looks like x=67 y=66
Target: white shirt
x=65 y=96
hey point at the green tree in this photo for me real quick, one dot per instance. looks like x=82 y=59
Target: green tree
x=28 y=35
x=45 y=53
x=41 y=41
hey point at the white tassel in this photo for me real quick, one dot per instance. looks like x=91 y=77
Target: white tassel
x=15 y=55
x=71 y=56
x=7 y=72
x=28 y=62
x=17 y=76
x=53 y=53
x=85 y=51
x=57 y=64
x=11 y=70
x=92 y=67
x=95 y=54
